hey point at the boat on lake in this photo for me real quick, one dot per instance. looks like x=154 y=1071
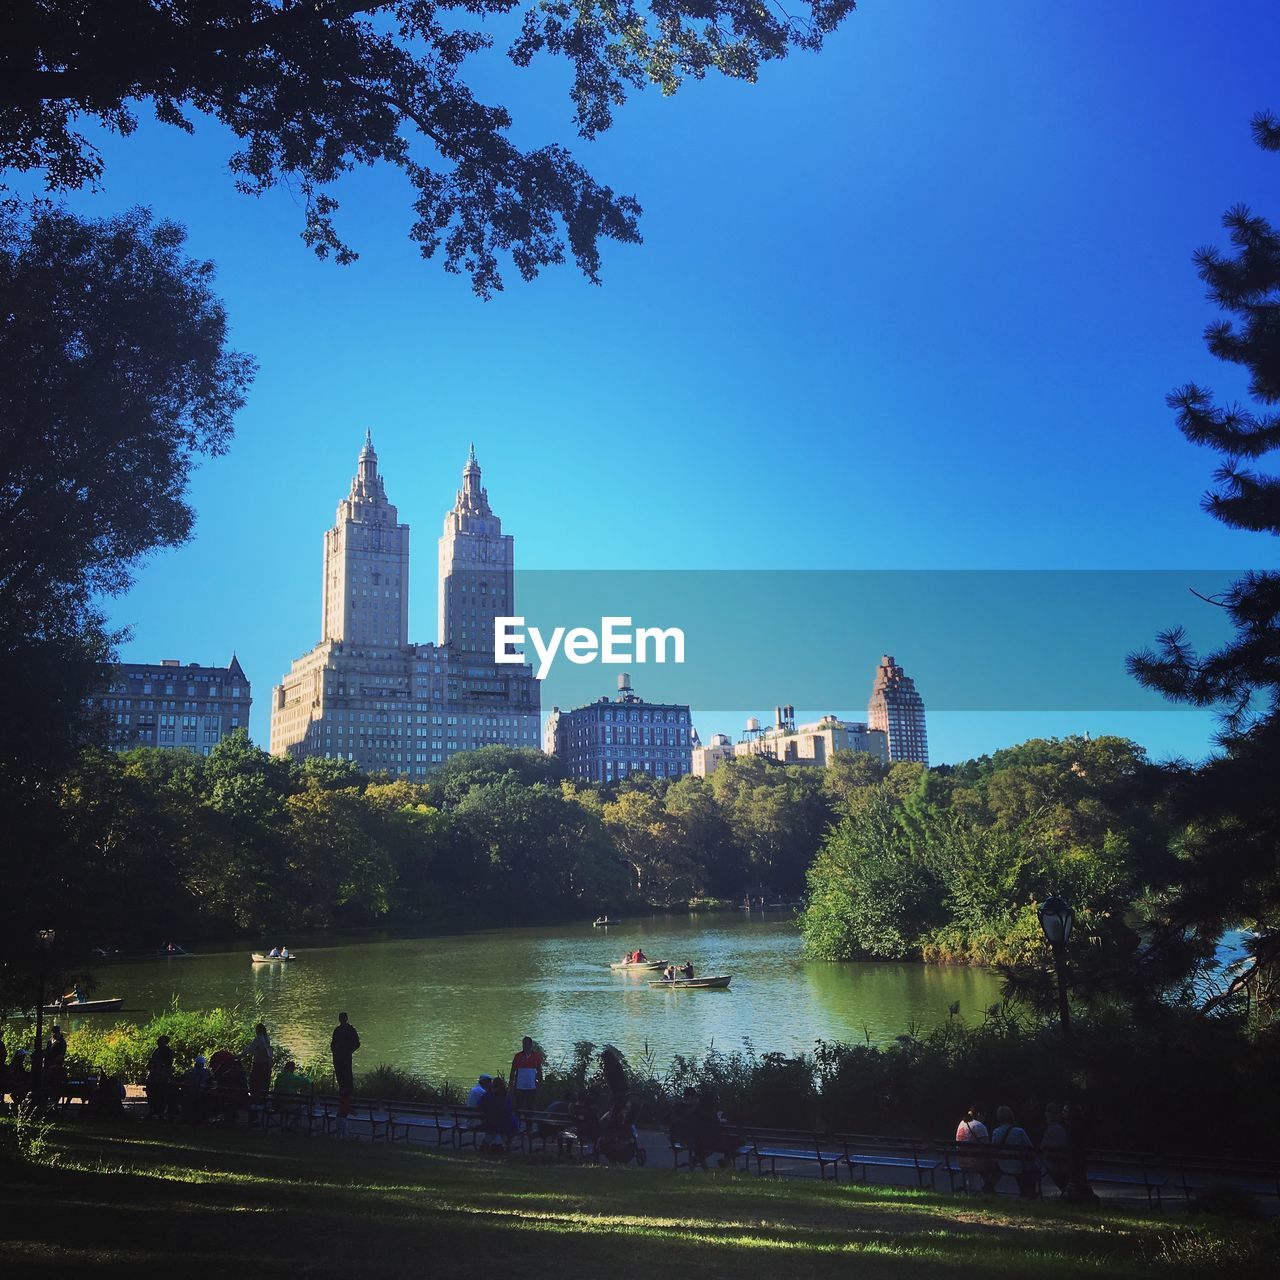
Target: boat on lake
x=259 y=958
x=639 y=964
x=715 y=981
x=603 y=922
x=72 y=1005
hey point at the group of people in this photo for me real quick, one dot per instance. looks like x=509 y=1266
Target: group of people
x=635 y=957
x=671 y=973
x=988 y=1155
x=16 y=1077
x=278 y=953
x=103 y=1092
x=219 y=1086
x=498 y=1100
x=604 y=1130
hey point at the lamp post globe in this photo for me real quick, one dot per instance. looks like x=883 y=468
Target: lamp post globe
x=1057 y=919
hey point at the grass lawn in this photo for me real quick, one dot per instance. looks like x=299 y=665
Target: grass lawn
x=137 y=1199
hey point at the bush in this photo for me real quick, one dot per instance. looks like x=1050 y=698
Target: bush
x=24 y=1137
x=123 y=1050
x=405 y=1086
x=1224 y=1200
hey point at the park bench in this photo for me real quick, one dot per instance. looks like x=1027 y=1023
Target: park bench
x=538 y=1129
x=466 y=1126
x=966 y=1162
x=682 y=1150
x=467 y=1130
x=377 y=1113
x=410 y=1119
x=1135 y=1169
x=864 y=1152
x=795 y=1144
x=1196 y=1174
x=82 y=1091
x=288 y=1111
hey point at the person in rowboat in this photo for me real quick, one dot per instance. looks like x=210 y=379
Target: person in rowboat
x=274 y=953
x=640 y=957
x=687 y=970
x=669 y=973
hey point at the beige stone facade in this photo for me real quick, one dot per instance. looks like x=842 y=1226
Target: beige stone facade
x=366 y=694
x=791 y=743
x=169 y=704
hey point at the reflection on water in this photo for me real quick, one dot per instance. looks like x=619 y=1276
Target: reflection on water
x=454 y=1006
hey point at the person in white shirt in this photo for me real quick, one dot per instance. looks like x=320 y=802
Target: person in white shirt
x=976 y=1169
x=1021 y=1163
x=477 y=1090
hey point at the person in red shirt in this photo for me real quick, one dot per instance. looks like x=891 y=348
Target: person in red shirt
x=526 y=1075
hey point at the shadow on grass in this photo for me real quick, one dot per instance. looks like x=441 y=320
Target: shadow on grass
x=148 y=1199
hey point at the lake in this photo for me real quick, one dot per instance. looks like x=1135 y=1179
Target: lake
x=454 y=1006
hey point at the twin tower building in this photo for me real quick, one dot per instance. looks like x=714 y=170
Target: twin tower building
x=366 y=693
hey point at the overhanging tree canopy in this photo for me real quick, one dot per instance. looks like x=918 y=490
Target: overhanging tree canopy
x=312 y=88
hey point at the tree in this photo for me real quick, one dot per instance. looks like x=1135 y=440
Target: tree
x=115 y=377
x=529 y=837
x=313 y=88
x=653 y=845
x=869 y=894
x=487 y=765
x=1230 y=872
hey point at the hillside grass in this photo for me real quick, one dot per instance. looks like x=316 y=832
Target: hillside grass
x=137 y=1199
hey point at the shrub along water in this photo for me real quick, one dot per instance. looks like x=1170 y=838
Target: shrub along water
x=1177 y=1080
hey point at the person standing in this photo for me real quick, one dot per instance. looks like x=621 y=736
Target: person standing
x=526 y=1075
x=342 y=1044
x=55 y=1065
x=159 y=1078
x=260 y=1070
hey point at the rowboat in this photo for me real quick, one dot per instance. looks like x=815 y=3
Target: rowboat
x=603 y=922
x=259 y=958
x=87 y=1006
x=716 y=980
x=643 y=964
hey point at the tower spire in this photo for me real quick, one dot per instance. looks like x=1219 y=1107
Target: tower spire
x=471 y=497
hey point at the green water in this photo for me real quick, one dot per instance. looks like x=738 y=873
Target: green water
x=454 y=1006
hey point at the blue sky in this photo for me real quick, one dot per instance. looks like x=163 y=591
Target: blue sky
x=912 y=303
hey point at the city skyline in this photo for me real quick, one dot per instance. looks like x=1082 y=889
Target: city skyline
x=771 y=351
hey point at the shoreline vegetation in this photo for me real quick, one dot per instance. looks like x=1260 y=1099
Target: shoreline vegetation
x=915 y=1086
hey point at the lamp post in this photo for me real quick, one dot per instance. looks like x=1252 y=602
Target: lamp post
x=1057 y=920
x=44 y=940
